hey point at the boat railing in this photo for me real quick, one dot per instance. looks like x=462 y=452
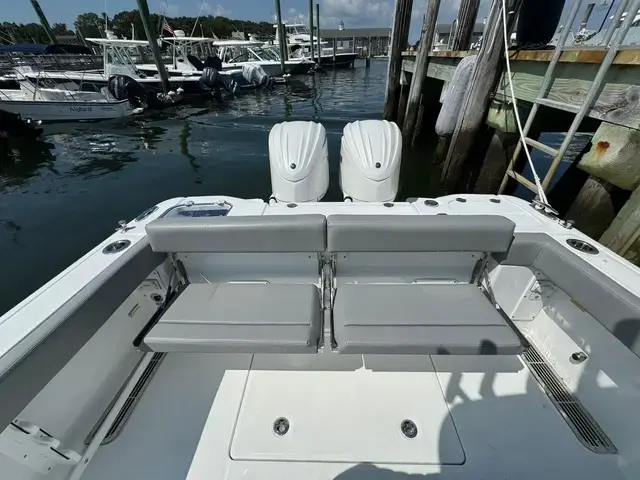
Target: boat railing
x=51 y=62
x=37 y=85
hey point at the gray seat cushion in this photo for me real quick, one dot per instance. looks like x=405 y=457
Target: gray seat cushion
x=419 y=233
x=424 y=319
x=238 y=234
x=240 y=318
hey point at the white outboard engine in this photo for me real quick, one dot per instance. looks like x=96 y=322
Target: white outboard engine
x=370 y=161
x=299 y=161
x=254 y=74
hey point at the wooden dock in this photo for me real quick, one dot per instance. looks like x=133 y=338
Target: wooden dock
x=564 y=89
x=618 y=102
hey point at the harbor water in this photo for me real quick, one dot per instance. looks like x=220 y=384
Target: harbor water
x=61 y=197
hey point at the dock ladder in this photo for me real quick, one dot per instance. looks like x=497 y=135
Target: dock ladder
x=581 y=111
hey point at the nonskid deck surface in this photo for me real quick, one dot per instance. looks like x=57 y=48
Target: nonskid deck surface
x=212 y=416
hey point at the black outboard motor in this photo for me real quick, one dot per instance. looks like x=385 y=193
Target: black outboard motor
x=211 y=81
x=123 y=87
x=213 y=62
x=195 y=61
x=14 y=125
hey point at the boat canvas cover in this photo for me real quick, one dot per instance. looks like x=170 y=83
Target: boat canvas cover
x=43 y=49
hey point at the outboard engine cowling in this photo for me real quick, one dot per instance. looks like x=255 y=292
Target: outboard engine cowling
x=209 y=79
x=122 y=87
x=370 y=156
x=299 y=161
x=212 y=80
x=255 y=74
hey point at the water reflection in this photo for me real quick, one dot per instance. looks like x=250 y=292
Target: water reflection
x=21 y=160
x=86 y=177
x=185 y=133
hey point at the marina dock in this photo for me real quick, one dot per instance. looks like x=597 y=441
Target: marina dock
x=569 y=89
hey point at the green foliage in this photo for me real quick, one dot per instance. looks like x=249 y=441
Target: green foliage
x=92 y=26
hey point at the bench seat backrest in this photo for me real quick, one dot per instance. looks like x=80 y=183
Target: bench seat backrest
x=406 y=249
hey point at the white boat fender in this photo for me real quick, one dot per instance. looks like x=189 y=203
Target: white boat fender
x=453 y=98
x=255 y=74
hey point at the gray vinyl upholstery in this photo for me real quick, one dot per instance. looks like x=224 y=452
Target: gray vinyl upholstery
x=433 y=319
x=240 y=318
x=241 y=234
x=615 y=307
x=419 y=233
x=245 y=317
x=418 y=318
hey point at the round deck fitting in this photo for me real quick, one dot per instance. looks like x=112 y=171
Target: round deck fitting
x=409 y=429
x=281 y=426
x=578 y=357
x=116 y=247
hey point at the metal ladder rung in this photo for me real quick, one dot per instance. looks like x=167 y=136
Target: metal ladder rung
x=541 y=146
x=523 y=181
x=558 y=105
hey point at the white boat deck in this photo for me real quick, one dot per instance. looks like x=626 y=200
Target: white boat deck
x=212 y=415
x=208 y=416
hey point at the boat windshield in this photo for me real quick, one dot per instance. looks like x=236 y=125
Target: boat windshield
x=302 y=29
x=120 y=56
x=269 y=54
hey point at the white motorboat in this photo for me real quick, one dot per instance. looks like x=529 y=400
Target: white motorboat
x=299 y=45
x=243 y=65
x=237 y=52
x=63 y=103
x=466 y=336
x=117 y=61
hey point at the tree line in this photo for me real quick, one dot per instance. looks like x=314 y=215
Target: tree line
x=92 y=25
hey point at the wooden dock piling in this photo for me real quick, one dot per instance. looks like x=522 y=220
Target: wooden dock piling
x=44 y=21
x=623 y=235
x=281 y=37
x=485 y=77
x=312 y=47
x=153 y=44
x=318 y=37
x=400 y=37
x=466 y=22
x=420 y=72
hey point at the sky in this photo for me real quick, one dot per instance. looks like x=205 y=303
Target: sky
x=354 y=13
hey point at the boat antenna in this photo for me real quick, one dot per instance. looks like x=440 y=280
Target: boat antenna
x=106 y=19
x=198 y=17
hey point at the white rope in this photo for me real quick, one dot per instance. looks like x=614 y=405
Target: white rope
x=541 y=195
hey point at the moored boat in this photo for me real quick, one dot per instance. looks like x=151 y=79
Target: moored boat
x=466 y=336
